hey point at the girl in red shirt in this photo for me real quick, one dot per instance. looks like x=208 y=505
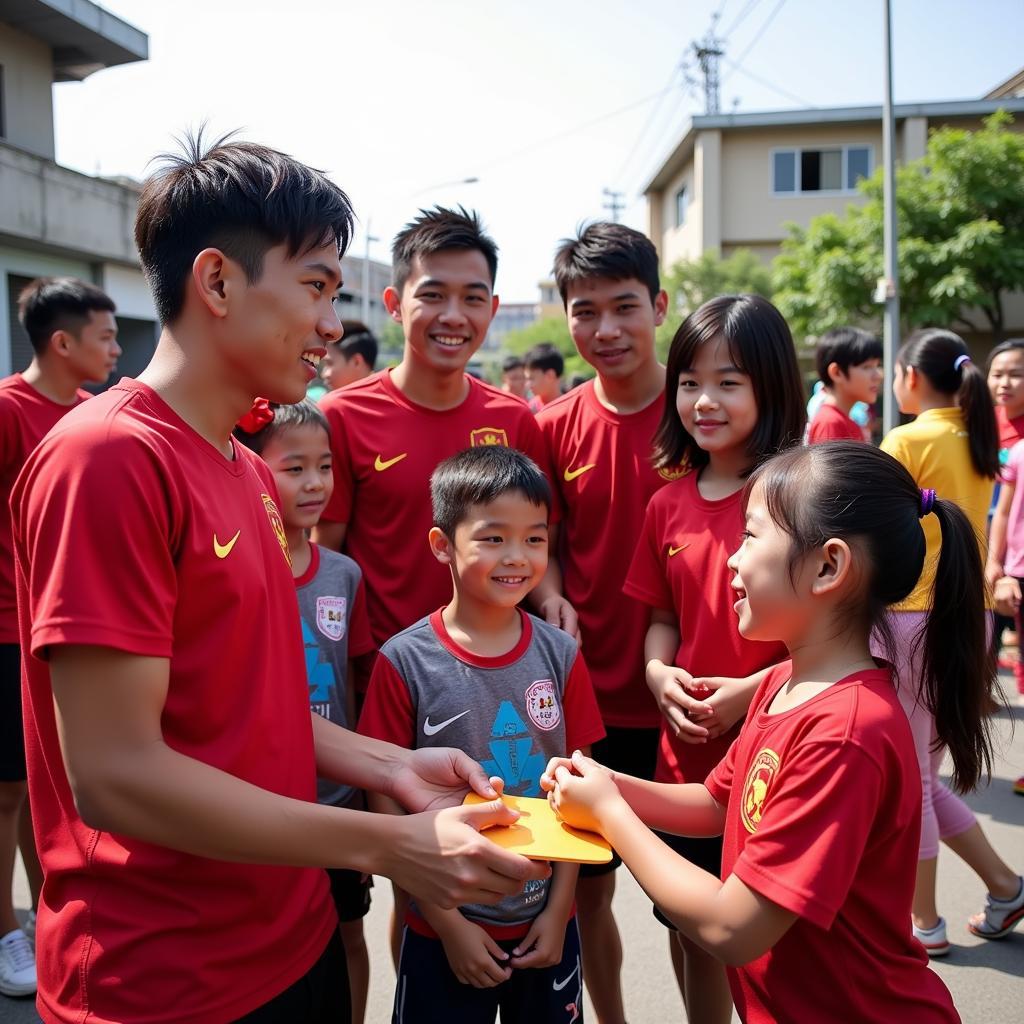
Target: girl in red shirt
x=820 y=797
x=733 y=398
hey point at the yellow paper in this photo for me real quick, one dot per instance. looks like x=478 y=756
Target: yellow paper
x=539 y=835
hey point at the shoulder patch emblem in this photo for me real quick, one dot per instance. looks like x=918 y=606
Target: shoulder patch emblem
x=330 y=616
x=488 y=436
x=760 y=777
x=675 y=472
x=542 y=705
x=277 y=525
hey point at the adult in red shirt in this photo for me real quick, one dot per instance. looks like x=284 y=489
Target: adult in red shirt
x=598 y=440
x=172 y=763
x=389 y=431
x=73 y=333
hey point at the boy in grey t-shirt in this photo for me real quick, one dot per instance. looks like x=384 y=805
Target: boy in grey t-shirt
x=509 y=690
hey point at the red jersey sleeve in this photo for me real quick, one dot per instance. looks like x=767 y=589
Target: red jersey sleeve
x=531 y=441
x=646 y=577
x=339 y=507
x=360 y=641
x=719 y=782
x=808 y=845
x=387 y=712
x=95 y=518
x=548 y=426
x=833 y=425
x=583 y=725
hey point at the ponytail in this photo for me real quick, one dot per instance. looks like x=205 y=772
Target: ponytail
x=959 y=662
x=943 y=358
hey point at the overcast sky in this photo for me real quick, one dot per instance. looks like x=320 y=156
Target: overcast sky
x=547 y=102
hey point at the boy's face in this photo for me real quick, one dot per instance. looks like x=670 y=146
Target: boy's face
x=445 y=308
x=336 y=371
x=1006 y=381
x=92 y=351
x=300 y=459
x=612 y=324
x=499 y=552
x=281 y=324
x=861 y=382
x=545 y=384
x=514 y=382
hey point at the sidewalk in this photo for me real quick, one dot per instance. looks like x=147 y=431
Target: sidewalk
x=986 y=978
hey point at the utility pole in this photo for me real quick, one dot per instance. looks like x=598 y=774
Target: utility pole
x=888 y=286
x=366 y=275
x=614 y=203
x=708 y=53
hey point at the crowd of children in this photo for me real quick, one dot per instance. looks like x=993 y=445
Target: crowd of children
x=738 y=656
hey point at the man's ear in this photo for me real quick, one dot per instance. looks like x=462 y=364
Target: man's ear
x=393 y=303
x=441 y=546
x=660 y=307
x=834 y=566
x=60 y=342
x=214 y=279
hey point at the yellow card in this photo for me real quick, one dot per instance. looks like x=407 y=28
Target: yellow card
x=539 y=835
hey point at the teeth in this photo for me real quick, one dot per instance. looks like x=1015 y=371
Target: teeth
x=451 y=342
x=312 y=358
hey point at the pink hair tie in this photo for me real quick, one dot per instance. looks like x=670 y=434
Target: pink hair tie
x=927 y=501
x=257 y=417
x=960 y=360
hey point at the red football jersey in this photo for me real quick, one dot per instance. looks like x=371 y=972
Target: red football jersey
x=134 y=533
x=830 y=423
x=680 y=566
x=1010 y=430
x=26 y=417
x=602 y=473
x=823 y=818
x=385 y=448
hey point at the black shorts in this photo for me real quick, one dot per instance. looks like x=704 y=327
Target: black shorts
x=12 y=735
x=320 y=996
x=706 y=853
x=351 y=893
x=632 y=752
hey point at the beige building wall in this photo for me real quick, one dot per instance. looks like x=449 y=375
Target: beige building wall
x=27 y=65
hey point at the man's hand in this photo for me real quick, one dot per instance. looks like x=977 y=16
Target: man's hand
x=682 y=711
x=558 y=612
x=434 y=777
x=474 y=957
x=542 y=944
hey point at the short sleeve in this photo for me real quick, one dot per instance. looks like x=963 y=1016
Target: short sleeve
x=360 y=641
x=94 y=527
x=339 y=507
x=719 y=782
x=646 y=579
x=583 y=725
x=8 y=442
x=388 y=712
x=817 y=820
x=531 y=441
x=1012 y=467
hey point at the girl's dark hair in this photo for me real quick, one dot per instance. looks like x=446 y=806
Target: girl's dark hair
x=1010 y=345
x=761 y=346
x=286 y=417
x=857 y=493
x=938 y=354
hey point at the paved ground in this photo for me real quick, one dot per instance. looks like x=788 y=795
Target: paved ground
x=986 y=978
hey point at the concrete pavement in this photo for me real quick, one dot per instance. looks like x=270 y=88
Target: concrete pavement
x=986 y=978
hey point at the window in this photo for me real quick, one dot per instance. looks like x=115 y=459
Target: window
x=803 y=171
x=682 y=201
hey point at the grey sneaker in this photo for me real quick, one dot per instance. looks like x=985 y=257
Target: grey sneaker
x=17 y=965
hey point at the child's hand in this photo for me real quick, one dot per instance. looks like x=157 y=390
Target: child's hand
x=474 y=957
x=993 y=573
x=682 y=709
x=542 y=945
x=583 y=796
x=547 y=780
x=1006 y=596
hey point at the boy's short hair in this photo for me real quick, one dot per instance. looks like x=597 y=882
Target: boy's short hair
x=606 y=250
x=357 y=339
x=510 y=363
x=286 y=417
x=50 y=304
x=846 y=347
x=438 y=230
x=478 y=476
x=545 y=357
x=239 y=197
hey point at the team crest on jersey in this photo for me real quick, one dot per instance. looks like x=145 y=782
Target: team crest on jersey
x=330 y=617
x=542 y=705
x=484 y=436
x=675 y=472
x=277 y=525
x=759 y=781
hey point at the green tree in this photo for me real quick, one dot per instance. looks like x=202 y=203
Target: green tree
x=960 y=215
x=555 y=330
x=690 y=283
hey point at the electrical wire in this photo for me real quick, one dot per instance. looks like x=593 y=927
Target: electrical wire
x=761 y=31
x=770 y=85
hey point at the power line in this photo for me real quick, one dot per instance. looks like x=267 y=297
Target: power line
x=738 y=20
x=770 y=85
x=634 y=149
x=753 y=42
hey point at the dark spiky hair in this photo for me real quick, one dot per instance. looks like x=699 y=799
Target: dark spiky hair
x=438 y=230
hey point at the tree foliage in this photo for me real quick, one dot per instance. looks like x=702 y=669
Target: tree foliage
x=960 y=216
x=555 y=330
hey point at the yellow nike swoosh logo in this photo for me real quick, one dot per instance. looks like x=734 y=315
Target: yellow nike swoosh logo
x=570 y=474
x=223 y=550
x=675 y=551
x=380 y=464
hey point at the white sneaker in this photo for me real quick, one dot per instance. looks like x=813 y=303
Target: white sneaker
x=17 y=965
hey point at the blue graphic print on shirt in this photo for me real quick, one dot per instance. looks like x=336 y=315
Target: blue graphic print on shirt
x=511 y=744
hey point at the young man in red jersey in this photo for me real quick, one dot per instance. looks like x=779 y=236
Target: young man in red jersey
x=598 y=440
x=73 y=333
x=172 y=753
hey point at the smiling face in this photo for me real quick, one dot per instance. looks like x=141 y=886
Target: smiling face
x=715 y=401
x=445 y=308
x=300 y=459
x=281 y=323
x=92 y=350
x=499 y=552
x=612 y=324
x=1006 y=381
